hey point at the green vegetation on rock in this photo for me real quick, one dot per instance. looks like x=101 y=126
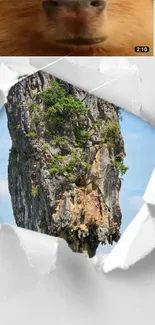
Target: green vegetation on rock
x=64 y=113
x=120 y=167
x=31 y=134
x=60 y=140
x=67 y=165
x=66 y=121
x=35 y=190
x=110 y=134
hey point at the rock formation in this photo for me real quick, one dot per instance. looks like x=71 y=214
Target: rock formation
x=65 y=162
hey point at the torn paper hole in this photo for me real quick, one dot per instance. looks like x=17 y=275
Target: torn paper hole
x=107 y=82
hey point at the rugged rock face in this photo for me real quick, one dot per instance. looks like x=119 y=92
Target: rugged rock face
x=65 y=162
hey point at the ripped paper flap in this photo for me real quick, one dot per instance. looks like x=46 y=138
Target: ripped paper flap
x=68 y=289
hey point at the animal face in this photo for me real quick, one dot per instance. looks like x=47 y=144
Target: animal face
x=75 y=22
x=100 y=27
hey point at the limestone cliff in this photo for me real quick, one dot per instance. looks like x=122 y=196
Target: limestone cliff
x=65 y=162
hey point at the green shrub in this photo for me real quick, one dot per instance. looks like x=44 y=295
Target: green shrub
x=58 y=159
x=121 y=168
x=55 y=170
x=37 y=115
x=60 y=140
x=98 y=123
x=45 y=147
x=34 y=107
x=110 y=134
x=57 y=166
x=51 y=95
x=35 y=190
x=66 y=165
x=64 y=115
x=63 y=112
x=18 y=126
x=31 y=134
x=81 y=135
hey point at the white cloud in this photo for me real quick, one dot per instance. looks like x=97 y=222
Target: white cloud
x=4 y=191
x=133 y=136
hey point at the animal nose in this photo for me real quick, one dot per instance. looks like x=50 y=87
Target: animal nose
x=50 y=5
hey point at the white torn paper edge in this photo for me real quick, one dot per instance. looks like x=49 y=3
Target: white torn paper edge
x=68 y=290
x=127 y=83
x=10 y=71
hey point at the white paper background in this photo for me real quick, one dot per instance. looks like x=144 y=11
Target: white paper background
x=42 y=281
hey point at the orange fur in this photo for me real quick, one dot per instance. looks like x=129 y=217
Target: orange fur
x=26 y=31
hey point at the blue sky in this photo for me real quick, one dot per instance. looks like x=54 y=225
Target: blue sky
x=139 y=140
x=6 y=213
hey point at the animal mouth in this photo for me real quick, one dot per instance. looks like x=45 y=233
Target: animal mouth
x=82 y=41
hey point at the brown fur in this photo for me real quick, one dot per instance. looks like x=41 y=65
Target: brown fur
x=25 y=30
